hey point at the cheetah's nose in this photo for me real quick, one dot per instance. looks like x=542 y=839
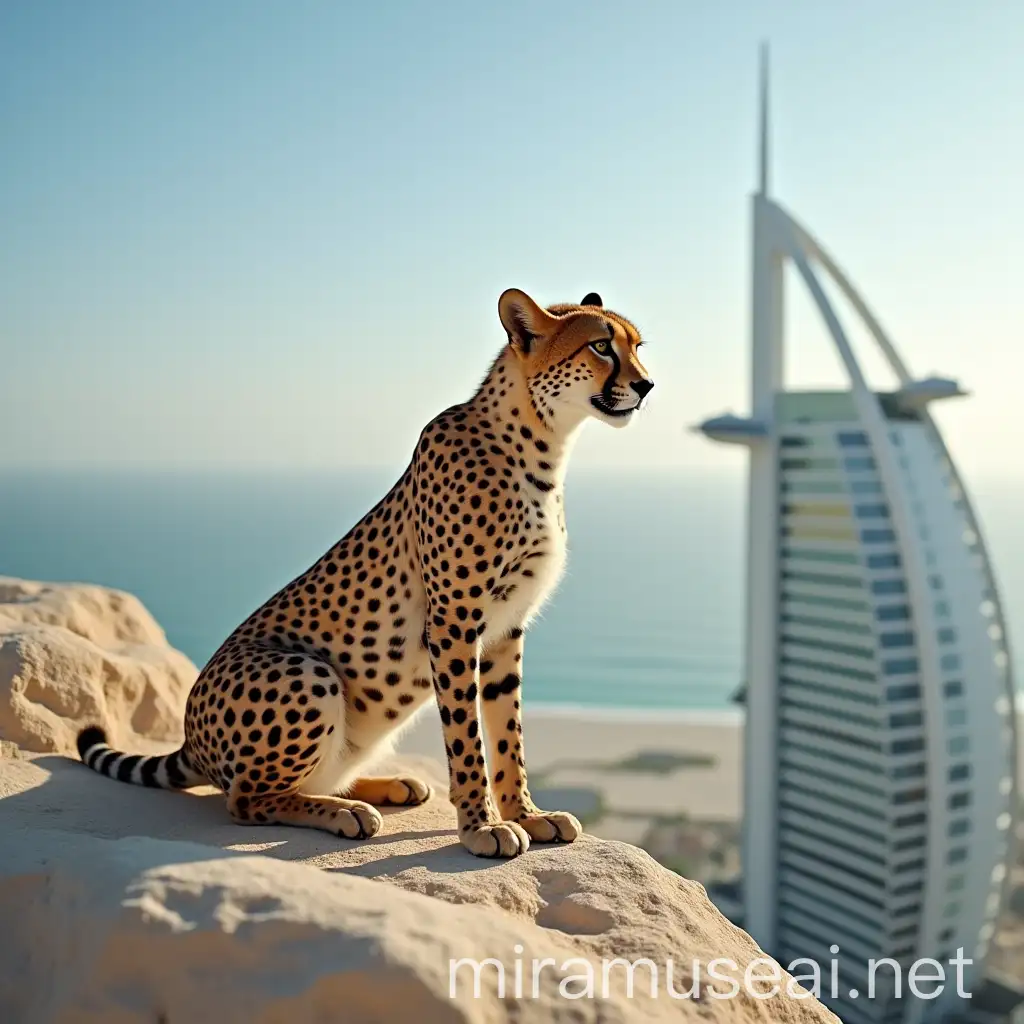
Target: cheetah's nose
x=642 y=387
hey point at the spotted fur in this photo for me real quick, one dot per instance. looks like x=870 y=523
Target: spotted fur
x=428 y=596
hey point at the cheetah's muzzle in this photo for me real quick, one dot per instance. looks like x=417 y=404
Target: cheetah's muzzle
x=599 y=403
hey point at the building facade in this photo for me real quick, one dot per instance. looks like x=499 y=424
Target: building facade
x=880 y=776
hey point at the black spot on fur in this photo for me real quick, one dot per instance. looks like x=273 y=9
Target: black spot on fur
x=492 y=691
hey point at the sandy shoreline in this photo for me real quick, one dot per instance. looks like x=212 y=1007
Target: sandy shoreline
x=585 y=747
x=558 y=736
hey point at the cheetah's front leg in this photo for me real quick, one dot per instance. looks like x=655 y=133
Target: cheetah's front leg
x=500 y=682
x=454 y=649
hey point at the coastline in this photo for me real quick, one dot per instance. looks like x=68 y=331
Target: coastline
x=638 y=716
x=641 y=764
x=576 y=750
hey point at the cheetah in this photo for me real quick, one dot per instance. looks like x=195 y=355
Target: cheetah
x=428 y=595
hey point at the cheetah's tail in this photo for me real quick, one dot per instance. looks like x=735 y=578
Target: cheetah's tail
x=162 y=771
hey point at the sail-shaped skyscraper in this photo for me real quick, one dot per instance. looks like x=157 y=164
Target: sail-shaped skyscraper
x=880 y=776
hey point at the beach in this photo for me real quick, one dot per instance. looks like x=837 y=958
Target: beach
x=577 y=747
x=669 y=782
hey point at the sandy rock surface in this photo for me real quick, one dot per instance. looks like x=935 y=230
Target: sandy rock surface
x=74 y=655
x=123 y=904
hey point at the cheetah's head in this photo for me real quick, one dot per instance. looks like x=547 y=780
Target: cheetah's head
x=578 y=360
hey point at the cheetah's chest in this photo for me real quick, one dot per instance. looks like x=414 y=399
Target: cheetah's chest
x=531 y=573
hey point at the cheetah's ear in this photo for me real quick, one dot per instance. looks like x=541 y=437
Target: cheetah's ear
x=591 y=299
x=524 y=321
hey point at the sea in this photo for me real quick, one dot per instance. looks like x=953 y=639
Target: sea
x=648 y=617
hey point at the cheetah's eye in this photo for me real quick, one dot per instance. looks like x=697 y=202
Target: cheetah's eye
x=600 y=347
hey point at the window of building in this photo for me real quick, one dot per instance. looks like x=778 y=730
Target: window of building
x=905 y=720
x=957 y=856
x=908 y=888
x=899 y=666
x=887 y=560
x=960 y=827
x=817 y=555
x=893 y=613
x=825 y=667
x=811 y=487
x=947 y=635
x=908 y=911
x=910 y=843
x=959 y=800
x=905 y=638
x=802 y=693
x=908 y=746
x=953 y=688
x=832 y=755
x=877 y=536
x=852 y=439
x=959 y=772
x=832 y=870
x=805 y=463
x=824 y=579
x=865 y=487
x=888 y=587
x=905 y=691
x=919 y=818
x=845 y=603
x=833 y=625
x=817 y=531
x=871 y=511
x=950 y=662
x=850 y=650
x=910 y=796
x=858 y=463
x=958 y=745
x=828 y=509
x=956 y=717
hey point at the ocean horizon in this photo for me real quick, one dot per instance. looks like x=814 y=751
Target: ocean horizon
x=649 y=614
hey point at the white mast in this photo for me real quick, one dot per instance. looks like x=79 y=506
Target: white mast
x=766 y=362
x=763 y=153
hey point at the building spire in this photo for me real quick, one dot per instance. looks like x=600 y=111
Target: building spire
x=762 y=177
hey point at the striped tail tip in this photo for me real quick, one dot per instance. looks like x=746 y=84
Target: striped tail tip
x=159 y=771
x=91 y=736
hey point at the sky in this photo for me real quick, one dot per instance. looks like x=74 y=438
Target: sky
x=255 y=234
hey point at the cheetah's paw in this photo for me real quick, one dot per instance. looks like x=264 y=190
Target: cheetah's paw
x=507 y=839
x=408 y=791
x=359 y=821
x=551 y=826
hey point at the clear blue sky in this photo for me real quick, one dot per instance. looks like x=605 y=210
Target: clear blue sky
x=255 y=233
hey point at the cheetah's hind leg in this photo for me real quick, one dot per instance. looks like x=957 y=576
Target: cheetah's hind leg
x=350 y=819
x=390 y=790
x=286 y=749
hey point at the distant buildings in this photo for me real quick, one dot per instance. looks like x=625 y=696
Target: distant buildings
x=880 y=747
